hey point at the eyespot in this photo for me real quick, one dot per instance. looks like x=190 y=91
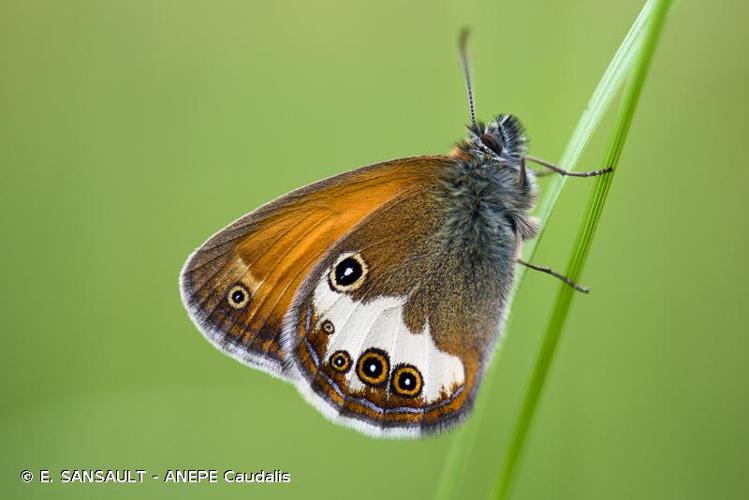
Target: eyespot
x=492 y=142
x=406 y=381
x=340 y=361
x=373 y=367
x=328 y=327
x=238 y=296
x=348 y=273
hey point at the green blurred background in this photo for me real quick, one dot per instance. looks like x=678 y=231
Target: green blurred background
x=131 y=131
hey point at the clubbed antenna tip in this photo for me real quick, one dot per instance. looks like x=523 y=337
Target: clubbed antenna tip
x=466 y=65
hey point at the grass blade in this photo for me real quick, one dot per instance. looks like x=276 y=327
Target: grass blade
x=583 y=243
x=605 y=92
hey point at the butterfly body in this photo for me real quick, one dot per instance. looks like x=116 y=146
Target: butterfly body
x=380 y=293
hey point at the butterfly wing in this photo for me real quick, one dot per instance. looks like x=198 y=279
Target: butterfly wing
x=392 y=329
x=239 y=284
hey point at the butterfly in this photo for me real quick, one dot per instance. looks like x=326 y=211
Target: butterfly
x=379 y=293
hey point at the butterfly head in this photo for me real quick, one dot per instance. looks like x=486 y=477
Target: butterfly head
x=501 y=140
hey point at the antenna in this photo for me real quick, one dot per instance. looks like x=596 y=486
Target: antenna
x=466 y=65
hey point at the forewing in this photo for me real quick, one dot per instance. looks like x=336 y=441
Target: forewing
x=240 y=283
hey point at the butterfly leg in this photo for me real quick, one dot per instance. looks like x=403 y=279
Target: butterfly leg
x=544 y=173
x=550 y=271
x=561 y=171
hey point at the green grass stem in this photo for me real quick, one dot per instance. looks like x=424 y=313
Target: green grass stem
x=583 y=244
x=607 y=89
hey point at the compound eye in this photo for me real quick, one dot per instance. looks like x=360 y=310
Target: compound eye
x=238 y=296
x=406 y=381
x=348 y=273
x=373 y=367
x=492 y=142
x=340 y=361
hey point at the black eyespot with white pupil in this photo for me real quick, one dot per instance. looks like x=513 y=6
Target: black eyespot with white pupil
x=238 y=296
x=328 y=327
x=348 y=273
x=373 y=367
x=340 y=361
x=406 y=381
